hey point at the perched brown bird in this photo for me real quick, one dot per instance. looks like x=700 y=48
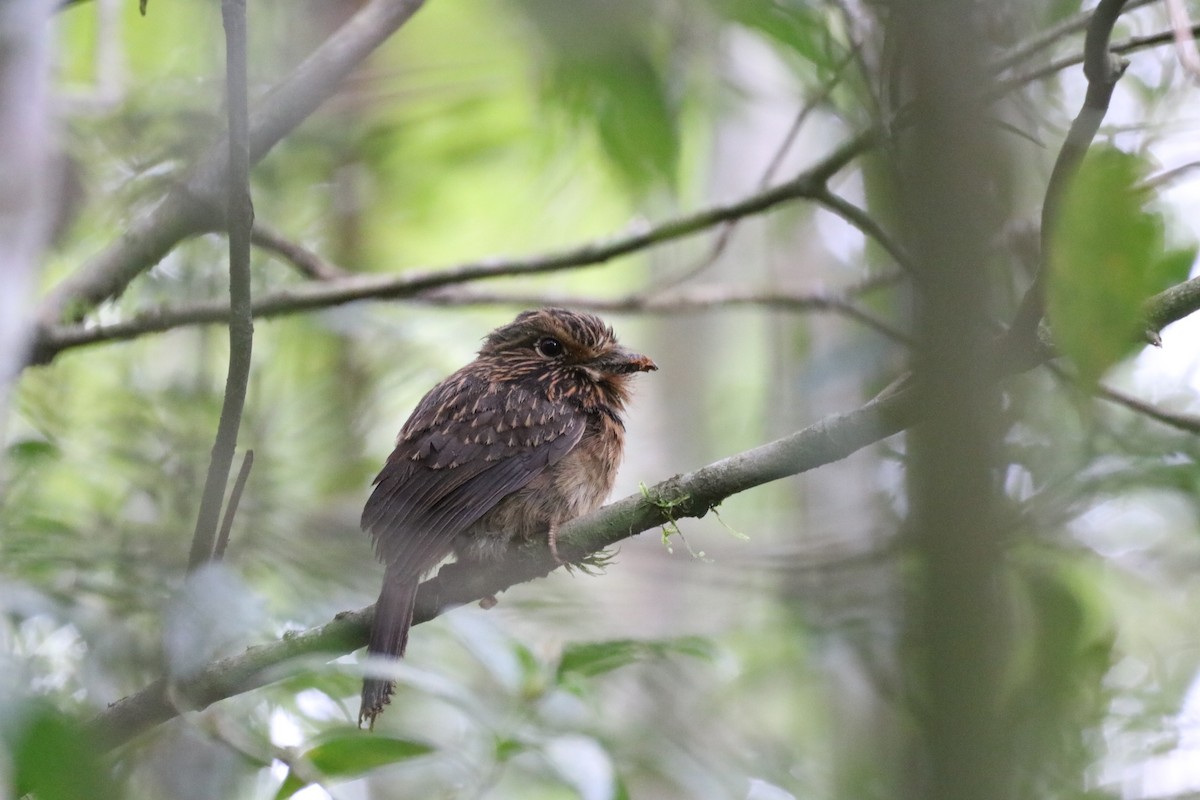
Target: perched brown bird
x=524 y=438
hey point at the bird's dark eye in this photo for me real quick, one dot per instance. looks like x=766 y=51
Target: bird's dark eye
x=550 y=347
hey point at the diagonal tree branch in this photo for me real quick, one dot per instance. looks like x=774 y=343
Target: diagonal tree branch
x=153 y=236
x=865 y=224
x=681 y=301
x=305 y=261
x=1035 y=44
x=1168 y=306
x=724 y=234
x=1190 y=423
x=690 y=495
x=181 y=214
x=53 y=339
x=194 y=206
x=1184 y=422
x=1172 y=305
x=1122 y=47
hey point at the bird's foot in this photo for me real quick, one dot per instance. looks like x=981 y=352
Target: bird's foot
x=552 y=539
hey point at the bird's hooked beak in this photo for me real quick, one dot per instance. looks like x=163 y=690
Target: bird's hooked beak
x=620 y=361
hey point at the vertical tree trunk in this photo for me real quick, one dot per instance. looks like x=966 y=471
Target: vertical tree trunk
x=947 y=175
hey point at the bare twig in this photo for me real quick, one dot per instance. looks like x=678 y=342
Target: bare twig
x=1123 y=47
x=194 y=206
x=306 y=262
x=223 y=729
x=54 y=339
x=866 y=225
x=1184 y=422
x=1102 y=70
x=725 y=232
x=1026 y=50
x=235 y=499
x=1188 y=423
x=678 y=301
x=239 y=213
x=1161 y=310
x=1161 y=180
x=1185 y=40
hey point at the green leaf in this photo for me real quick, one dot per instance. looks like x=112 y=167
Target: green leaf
x=352 y=754
x=1055 y=684
x=52 y=760
x=31 y=451
x=797 y=26
x=1106 y=257
x=622 y=94
x=506 y=748
x=595 y=658
x=601 y=69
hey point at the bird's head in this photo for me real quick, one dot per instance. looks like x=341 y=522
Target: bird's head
x=566 y=349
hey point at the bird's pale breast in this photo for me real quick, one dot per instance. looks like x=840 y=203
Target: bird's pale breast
x=575 y=485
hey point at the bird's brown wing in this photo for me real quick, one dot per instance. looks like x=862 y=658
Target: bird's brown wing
x=468 y=444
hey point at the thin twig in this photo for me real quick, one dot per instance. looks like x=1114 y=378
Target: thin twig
x=1123 y=47
x=285 y=303
x=54 y=339
x=1026 y=50
x=679 y=301
x=306 y=262
x=1103 y=71
x=1188 y=423
x=725 y=232
x=1168 y=306
x=866 y=225
x=235 y=499
x=1185 y=40
x=213 y=725
x=1161 y=180
x=1184 y=422
x=240 y=219
x=194 y=206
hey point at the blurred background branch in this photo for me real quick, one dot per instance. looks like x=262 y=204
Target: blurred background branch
x=191 y=207
x=993 y=601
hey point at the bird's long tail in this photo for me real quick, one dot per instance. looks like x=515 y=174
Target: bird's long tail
x=389 y=637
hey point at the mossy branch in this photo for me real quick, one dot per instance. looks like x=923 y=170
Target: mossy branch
x=692 y=495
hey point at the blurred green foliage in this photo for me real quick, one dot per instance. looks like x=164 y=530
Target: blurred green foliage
x=1109 y=255
x=769 y=668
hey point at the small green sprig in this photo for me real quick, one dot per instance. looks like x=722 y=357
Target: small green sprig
x=670 y=528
